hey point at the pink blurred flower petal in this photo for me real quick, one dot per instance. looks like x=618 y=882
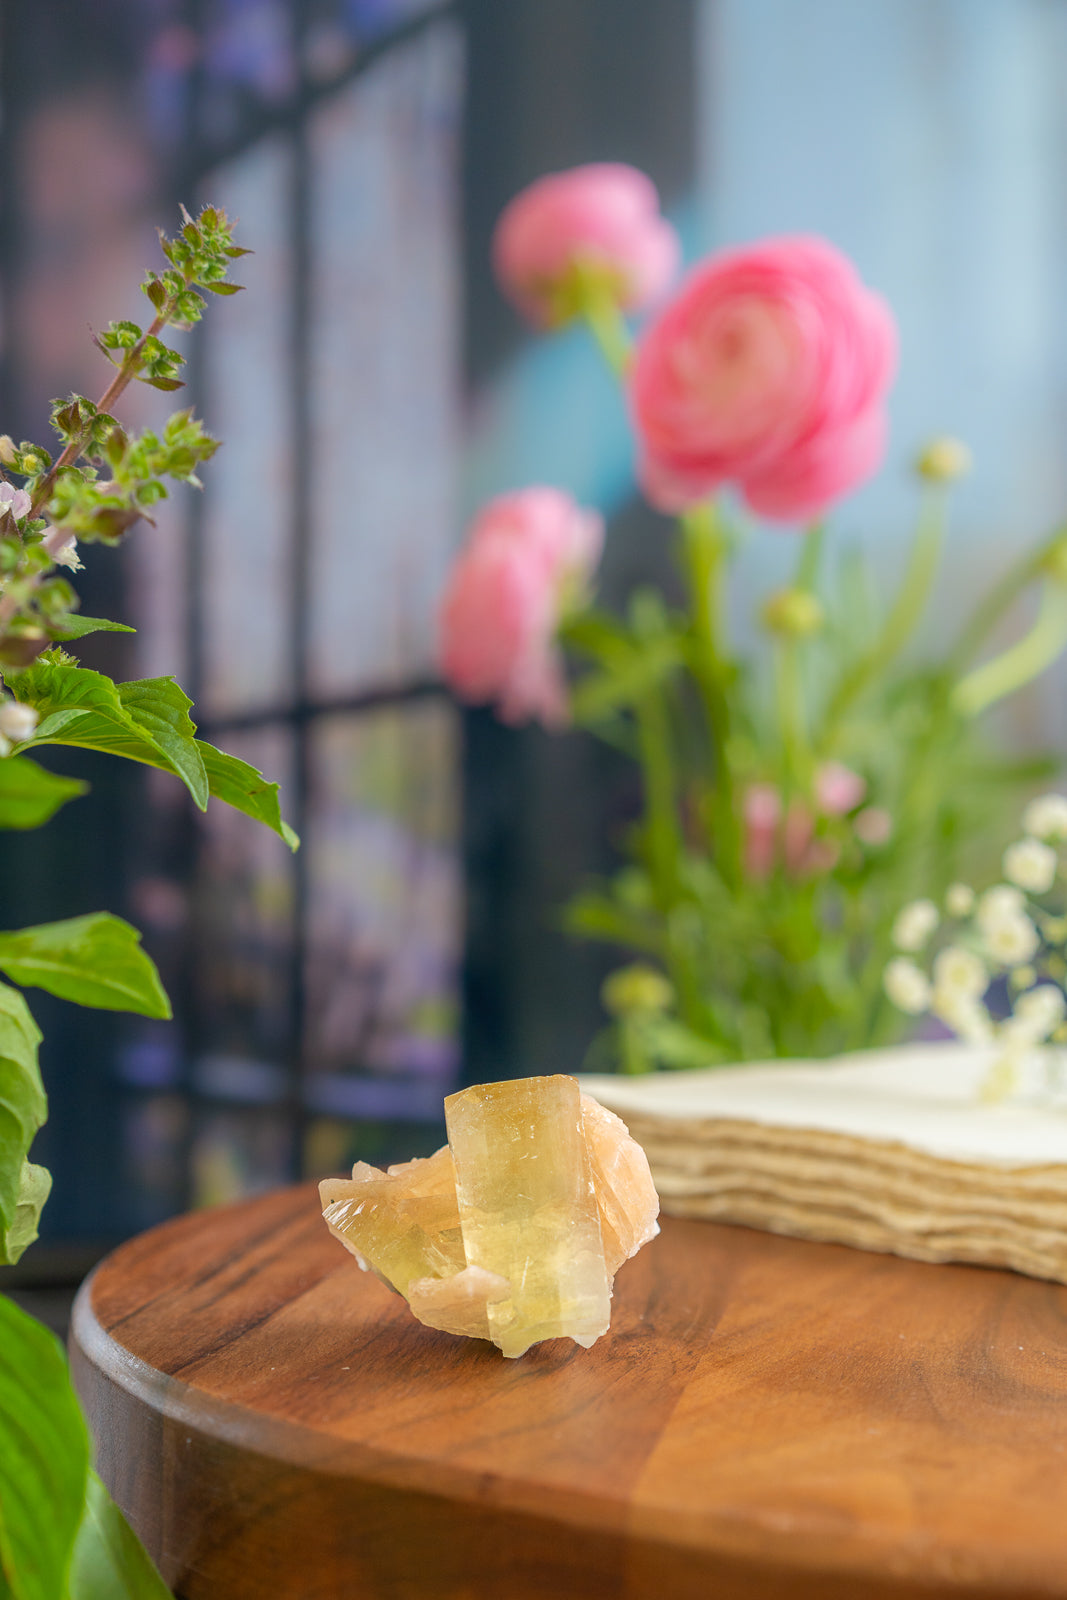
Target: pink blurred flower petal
x=525 y=553
x=768 y=369
x=605 y=216
x=838 y=789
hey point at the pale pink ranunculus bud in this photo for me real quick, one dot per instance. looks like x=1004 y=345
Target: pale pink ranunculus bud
x=874 y=825
x=761 y=815
x=770 y=835
x=527 y=554
x=767 y=370
x=838 y=789
x=604 y=218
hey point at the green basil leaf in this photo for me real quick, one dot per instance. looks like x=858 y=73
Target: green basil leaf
x=110 y=1562
x=95 y=960
x=29 y=795
x=44 y=1460
x=247 y=790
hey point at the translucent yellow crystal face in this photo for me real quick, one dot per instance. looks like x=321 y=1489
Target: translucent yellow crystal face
x=403 y=1224
x=515 y=1232
x=527 y=1208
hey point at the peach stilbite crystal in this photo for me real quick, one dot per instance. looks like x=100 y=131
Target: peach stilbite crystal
x=514 y=1232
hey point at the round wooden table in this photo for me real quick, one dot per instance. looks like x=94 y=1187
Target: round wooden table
x=767 y=1417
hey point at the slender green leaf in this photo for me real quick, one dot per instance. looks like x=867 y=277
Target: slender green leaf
x=35 y=1185
x=29 y=795
x=95 y=960
x=247 y=790
x=44 y=1460
x=76 y=626
x=110 y=1562
x=599 y=694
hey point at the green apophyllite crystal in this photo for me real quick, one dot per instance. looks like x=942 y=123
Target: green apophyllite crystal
x=527 y=1208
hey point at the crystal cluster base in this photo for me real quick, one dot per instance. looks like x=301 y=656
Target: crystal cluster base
x=515 y=1229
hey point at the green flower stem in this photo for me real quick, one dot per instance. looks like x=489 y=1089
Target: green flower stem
x=1024 y=661
x=608 y=327
x=904 y=615
x=663 y=836
x=789 y=700
x=1016 y=580
x=810 y=556
x=704 y=550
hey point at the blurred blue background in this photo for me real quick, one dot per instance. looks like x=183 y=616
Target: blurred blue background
x=372 y=388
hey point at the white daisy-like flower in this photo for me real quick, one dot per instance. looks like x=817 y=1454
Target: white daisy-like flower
x=999 y=904
x=907 y=986
x=960 y=972
x=959 y=900
x=914 y=924
x=1044 y=1004
x=1037 y=1014
x=1046 y=817
x=1031 y=865
x=966 y=1016
x=1012 y=941
x=17 y=722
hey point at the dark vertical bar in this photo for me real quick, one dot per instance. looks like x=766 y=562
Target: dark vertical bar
x=300 y=571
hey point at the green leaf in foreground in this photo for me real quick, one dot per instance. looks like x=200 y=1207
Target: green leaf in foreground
x=247 y=790
x=75 y=626
x=44 y=1460
x=110 y=1562
x=23 y=1108
x=29 y=795
x=35 y=1185
x=95 y=960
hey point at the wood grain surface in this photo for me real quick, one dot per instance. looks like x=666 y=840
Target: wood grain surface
x=767 y=1417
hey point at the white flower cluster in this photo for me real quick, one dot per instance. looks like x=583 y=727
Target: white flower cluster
x=1000 y=935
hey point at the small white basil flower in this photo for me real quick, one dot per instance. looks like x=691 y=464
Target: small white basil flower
x=17 y=722
x=1037 y=1014
x=907 y=986
x=959 y=900
x=1046 y=817
x=1031 y=865
x=17 y=501
x=67 y=555
x=914 y=925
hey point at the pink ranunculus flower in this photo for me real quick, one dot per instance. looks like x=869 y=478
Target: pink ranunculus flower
x=526 y=556
x=767 y=370
x=604 y=217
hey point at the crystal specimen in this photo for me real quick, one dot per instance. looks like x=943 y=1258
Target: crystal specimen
x=514 y=1232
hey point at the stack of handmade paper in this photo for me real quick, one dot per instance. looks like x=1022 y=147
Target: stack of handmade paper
x=886 y=1150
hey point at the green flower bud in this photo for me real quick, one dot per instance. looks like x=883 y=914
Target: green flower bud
x=636 y=990
x=1054 y=564
x=795 y=613
x=944 y=460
